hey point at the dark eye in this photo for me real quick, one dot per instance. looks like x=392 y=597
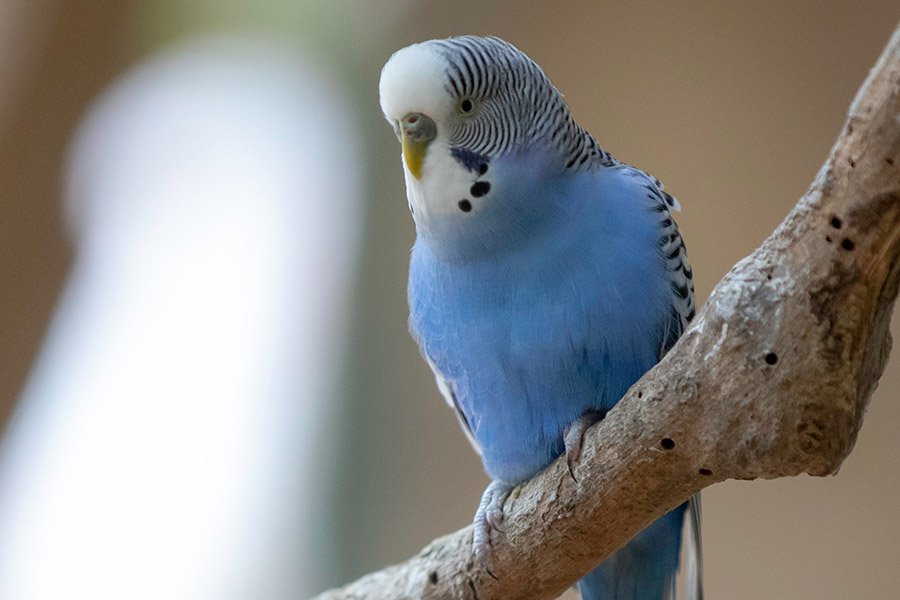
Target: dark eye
x=466 y=106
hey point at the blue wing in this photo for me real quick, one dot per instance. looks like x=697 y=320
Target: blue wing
x=450 y=398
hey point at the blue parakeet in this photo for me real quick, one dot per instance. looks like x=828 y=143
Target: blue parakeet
x=545 y=279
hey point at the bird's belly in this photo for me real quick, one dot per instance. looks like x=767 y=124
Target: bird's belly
x=521 y=432
x=525 y=374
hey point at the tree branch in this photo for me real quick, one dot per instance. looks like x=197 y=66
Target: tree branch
x=772 y=380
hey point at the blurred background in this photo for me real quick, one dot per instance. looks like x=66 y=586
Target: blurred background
x=207 y=389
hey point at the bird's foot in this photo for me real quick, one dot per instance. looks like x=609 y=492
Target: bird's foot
x=489 y=516
x=574 y=437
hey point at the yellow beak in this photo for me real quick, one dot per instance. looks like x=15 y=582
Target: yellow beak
x=416 y=133
x=414 y=155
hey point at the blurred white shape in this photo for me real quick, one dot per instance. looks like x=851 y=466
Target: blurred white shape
x=173 y=439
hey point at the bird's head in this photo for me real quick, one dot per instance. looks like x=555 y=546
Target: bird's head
x=459 y=93
x=478 y=121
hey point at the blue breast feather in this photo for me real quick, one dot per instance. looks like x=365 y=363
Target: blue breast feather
x=530 y=338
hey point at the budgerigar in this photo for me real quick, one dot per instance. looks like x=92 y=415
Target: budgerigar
x=546 y=277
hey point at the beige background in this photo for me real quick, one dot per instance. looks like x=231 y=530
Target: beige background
x=734 y=106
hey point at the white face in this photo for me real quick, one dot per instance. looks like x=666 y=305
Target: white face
x=413 y=82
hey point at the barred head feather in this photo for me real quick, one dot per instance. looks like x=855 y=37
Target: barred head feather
x=487 y=97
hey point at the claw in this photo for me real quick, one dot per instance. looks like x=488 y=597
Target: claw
x=574 y=438
x=494 y=517
x=489 y=516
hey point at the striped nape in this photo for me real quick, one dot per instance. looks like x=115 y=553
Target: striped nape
x=519 y=103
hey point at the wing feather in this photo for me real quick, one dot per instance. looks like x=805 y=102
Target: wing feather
x=450 y=397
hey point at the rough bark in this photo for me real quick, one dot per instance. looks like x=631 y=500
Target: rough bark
x=771 y=380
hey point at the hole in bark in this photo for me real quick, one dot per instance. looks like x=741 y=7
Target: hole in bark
x=640 y=394
x=828 y=238
x=836 y=222
x=852 y=163
x=433 y=577
x=771 y=358
x=705 y=472
x=667 y=443
x=889 y=160
x=847 y=244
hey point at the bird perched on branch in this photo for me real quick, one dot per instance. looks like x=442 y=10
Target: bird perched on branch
x=546 y=278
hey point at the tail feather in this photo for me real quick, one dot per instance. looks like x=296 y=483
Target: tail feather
x=645 y=568
x=692 y=557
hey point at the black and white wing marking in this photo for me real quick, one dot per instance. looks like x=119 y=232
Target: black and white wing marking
x=449 y=395
x=671 y=245
x=678 y=269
